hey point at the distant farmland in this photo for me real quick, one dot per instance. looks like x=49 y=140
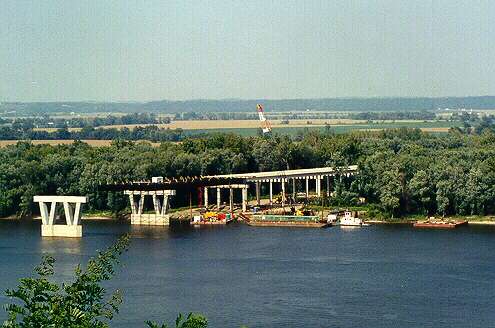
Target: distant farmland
x=241 y=124
x=431 y=126
x=250 y=128
x=339 y=125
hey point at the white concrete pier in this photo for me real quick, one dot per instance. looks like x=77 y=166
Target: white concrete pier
x=160 y=205
x=72 y=211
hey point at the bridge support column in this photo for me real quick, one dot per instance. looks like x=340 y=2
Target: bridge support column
x=72 y=226
x=244 y=199
x=258 y=200
x=157 y=204
x=133 y=204
x=271 y=192
x=231 y=199
x=206 y=197
x=166 y=202
x=140 y=204
x=293 y=190
x=307 y=188
x=218 y=199
x=283 y=191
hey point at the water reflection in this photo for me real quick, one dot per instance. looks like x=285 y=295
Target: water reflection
x=55 y=245
x=148 y=232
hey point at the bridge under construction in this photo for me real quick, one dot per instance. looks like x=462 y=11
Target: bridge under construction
x=160 y=190
x=290 y=184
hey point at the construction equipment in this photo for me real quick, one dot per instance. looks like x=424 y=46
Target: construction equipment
x=265 y=124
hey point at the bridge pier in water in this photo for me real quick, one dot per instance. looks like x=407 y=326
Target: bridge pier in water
x=160 y=205
x=72 y=226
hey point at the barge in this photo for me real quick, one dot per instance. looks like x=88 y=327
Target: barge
x=212 y=218
x=439 y=224
x=220 y=222
x=265 y=220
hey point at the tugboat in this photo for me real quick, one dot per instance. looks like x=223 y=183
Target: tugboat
x=348 y=220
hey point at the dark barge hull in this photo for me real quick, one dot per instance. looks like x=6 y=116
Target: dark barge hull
x=449 y=225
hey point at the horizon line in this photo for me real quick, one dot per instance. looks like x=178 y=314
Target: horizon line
x=234 y=99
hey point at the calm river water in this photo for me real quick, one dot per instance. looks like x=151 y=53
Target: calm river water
x=379 y=276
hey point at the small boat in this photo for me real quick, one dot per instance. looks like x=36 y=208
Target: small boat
x=441 y=224
x=348 y=220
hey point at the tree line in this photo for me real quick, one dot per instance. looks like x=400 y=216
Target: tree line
x=401 y=172
x=151 y=133
x=45 y=121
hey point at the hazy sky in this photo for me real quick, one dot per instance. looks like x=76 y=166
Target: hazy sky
x=149 y=50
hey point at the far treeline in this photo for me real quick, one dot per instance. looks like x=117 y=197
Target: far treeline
x=45 y=121
x=151 y=133
x=239 y=105
x=401 y=172
x=416 y=115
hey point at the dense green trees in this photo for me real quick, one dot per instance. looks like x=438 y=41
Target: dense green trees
x=401 y=171
x=151 y=133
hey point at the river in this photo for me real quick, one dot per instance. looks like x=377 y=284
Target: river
x=377 y=276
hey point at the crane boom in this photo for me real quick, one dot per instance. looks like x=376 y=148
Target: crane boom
x=265 y=124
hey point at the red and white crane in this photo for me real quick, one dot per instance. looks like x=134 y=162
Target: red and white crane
x=265 y=124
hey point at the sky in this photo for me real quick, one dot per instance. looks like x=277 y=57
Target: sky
x=118 y=50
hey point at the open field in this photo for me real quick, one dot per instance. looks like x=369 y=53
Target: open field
x=249 y=124
x=255 y=124
x=250 y=127
x=94 y=143
x=432 y=127
x=240 y=124
x=220 y=124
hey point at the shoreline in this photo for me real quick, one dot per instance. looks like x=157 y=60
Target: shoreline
x=83 y=218
x=410 y=222
x=369 y=221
